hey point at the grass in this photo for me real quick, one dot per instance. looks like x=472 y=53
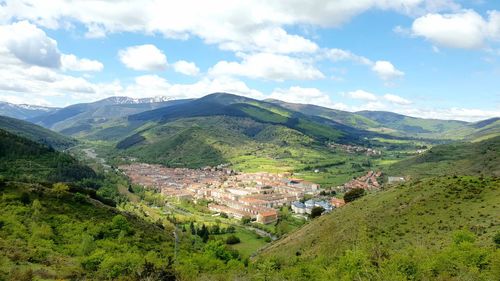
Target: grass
x=250 y=242
x=418 y=220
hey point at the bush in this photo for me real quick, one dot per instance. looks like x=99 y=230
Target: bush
x=354 y=194
x=25 y=198
x=246 y=220
x=232 y=239
x=317 y=211
x=496 y=239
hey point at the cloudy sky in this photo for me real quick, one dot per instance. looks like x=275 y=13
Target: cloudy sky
x=425 y=58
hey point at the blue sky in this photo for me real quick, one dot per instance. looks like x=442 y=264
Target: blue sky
x=425 y=58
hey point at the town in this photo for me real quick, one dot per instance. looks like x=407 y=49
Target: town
x=239 y=195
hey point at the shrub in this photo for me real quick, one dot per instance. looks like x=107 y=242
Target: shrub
x=232 y=239
x=317 y=211
x=60 y=188
x=496 y=239
x=25 y=198
x=354 y=194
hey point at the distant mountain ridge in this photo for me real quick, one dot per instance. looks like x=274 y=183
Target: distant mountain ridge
x=82 y=117
x=23 y=111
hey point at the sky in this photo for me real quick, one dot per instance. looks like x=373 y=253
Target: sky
x=423 y=58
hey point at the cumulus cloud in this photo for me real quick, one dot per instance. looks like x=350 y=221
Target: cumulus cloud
x=143 y=57
x=30 y=44
x=186 y=68
x=345 y=55
x=153 y=85
x=233 y=25
x=361 y=95
x=71 y=62
x=466 y=29
x=386 y=70
x=268 y=66
x=296 y=94
x=396 y=99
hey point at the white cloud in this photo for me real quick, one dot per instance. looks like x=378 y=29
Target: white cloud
x=345 y=55
x=233 y=25
x=302 y=95
x=71 y=62
x=186 y=68
x=466 y=29
x=396 y=99
x=153 y=85
x=386 y=70
x=361 y=95
x=455 y=113
x=30 y=44
x=268 y=66
x=143 y=57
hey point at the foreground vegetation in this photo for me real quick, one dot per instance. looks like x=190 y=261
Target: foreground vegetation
x=434 y=229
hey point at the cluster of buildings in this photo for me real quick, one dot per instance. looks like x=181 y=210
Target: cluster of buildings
x=366 y=182
x=355 y=149
x=253 y=195
x=306 y=207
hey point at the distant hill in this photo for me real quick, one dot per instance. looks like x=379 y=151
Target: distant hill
x=36 y=133
x=23 y=111
x=343 y=117
x=411 y=125
x=224 y=128
x=477 y=158
x=394 y=124
x=81 y=118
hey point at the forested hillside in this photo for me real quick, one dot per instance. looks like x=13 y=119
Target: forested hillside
x=36 y=133
x=25 y=160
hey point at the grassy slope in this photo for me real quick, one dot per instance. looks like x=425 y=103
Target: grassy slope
x=460 y=158
x=35 y=133
x=404 y=232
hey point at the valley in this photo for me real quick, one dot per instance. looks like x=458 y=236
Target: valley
x=230 y=188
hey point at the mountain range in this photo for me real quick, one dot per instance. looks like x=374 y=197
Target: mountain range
x=82 y=118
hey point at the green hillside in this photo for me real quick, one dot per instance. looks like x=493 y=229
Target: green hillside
x=475 y=158
x=343 y=117
x=244 y=143
x=433 y=229
x=46 y=235
x=24 y=160
x=35 y=133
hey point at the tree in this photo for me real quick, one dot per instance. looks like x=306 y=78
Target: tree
x=317 y=211
x=60 y=188
x=193 y=230
x=353 y=194
x=25 y=198
x=246 y=220
x=232 y=239
x=36 y=207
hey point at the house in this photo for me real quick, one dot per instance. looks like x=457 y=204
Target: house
x=392 y=180
x=337 y=202
x=310 y=204
x=267 y=216
x=298 y=207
